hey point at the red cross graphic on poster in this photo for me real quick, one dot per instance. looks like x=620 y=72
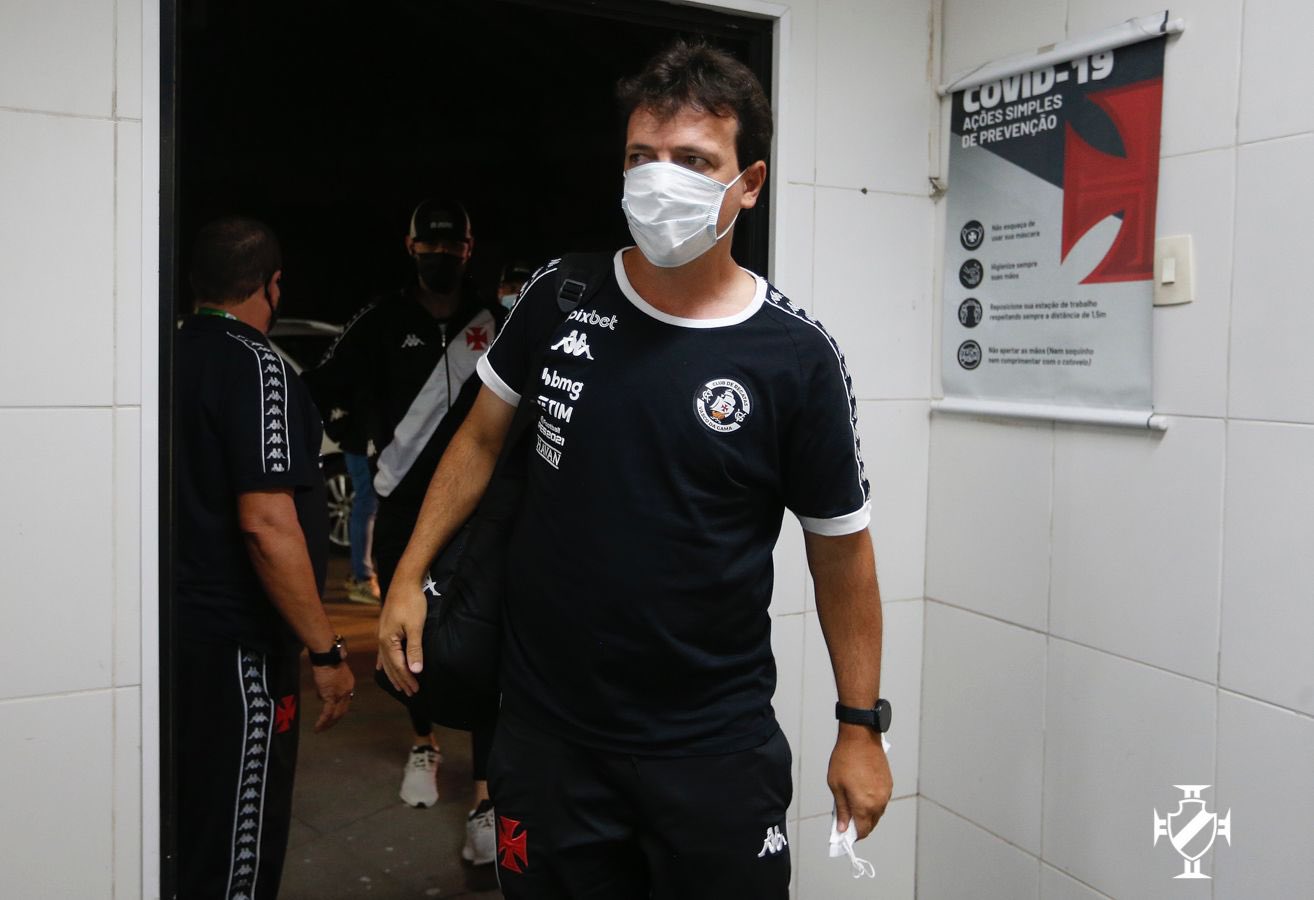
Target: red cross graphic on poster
x=1097 y=185
x=511 y=846
x=476 y=337
x=285 y=713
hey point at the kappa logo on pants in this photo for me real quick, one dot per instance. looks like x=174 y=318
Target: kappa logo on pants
x=512 y=847
x=774 y=843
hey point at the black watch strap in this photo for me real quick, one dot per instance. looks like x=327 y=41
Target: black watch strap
x=330 y=657
x=877 y=717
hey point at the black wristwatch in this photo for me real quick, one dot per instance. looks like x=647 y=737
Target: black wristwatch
x=877 y=717
x=330 y=657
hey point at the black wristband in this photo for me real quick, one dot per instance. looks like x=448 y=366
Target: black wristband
x=877 y=717
x=330 y=657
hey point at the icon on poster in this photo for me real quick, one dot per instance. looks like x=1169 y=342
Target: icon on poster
x=969 y=313
x=969 y=354
x=971 y=273
x=972 y=234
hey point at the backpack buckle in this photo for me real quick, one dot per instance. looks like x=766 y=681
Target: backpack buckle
x=571 y=291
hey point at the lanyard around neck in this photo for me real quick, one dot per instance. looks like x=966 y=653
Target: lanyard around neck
x=210 y=311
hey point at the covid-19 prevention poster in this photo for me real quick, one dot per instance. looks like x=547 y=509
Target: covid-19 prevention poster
x=1049 y=254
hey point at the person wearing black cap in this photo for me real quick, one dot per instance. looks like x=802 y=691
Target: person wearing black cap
x=396 y=372
x=249 y=571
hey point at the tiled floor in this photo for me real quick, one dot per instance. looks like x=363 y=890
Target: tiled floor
x=351 y=835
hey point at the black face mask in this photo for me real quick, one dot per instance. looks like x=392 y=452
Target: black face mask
x=439 y=272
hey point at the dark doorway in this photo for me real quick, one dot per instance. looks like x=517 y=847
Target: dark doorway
x=330 y=120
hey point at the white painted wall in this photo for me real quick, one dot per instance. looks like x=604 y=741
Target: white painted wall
x=70 y=418
x=1111 y=612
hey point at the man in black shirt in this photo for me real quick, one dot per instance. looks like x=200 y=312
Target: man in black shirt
x=681 y=409
x=250 y=559
x=395 y=374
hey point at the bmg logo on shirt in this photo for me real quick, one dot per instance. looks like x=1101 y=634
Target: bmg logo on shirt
x=722 y=405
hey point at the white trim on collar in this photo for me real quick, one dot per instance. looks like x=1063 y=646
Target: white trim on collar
x=759 y=296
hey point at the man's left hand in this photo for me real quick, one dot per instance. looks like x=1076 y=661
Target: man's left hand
x=859 y=777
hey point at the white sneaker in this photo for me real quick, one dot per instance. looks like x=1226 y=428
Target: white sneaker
x=420 y=782
x=480 y=836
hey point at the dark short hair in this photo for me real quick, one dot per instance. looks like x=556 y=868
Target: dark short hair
x=232 y=258
x=694 y=74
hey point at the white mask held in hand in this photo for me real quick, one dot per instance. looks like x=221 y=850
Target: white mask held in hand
x=841 y=843
x=672 y=212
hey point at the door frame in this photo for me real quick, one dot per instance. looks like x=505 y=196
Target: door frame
x=159 y=255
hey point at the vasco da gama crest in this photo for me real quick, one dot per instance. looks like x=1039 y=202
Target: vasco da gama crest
x=722 y=404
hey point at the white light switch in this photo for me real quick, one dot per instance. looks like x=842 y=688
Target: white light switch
x=1174 y=271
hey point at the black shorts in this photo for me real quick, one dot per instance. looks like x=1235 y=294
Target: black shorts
x=573 y=822
x=237 y=726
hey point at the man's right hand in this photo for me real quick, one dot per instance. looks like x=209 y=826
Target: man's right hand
x=335 y=685
x=401 y=632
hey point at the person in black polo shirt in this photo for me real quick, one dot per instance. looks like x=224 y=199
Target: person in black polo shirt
x=678 y=412
x=250 y=565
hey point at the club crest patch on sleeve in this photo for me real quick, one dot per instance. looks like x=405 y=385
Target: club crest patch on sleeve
x=722 y=404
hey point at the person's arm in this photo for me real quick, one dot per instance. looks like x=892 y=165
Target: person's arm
x=454 y=492
x=849 y=608
x=277 y=548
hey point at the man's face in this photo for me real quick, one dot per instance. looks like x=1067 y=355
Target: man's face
x=701 y=142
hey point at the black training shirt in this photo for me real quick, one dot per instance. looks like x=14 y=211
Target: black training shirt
x=663 y=456
x=243 y=421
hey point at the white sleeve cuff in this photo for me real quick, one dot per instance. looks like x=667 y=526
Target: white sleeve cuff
x=857 y=520
x=494 y=382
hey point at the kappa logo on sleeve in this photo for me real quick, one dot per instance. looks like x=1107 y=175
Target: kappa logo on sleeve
x=774 y=843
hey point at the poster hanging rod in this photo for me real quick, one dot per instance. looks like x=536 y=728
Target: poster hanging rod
x=1129 y=32
x=1078 y=415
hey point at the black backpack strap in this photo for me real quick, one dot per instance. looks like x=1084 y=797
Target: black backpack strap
x=578 y=277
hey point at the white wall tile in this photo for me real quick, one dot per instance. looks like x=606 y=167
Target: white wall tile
x=58 y=293
x=127 y=102
x=1264 y=773
x=896 y=439
x=1056 y=885
x=1196 y=195
x=1271 y=312
x=1138 y=517
x=891 y=848
x=901 y=649
x=983 y=725
x=1268 y=619
x=127 y=265
x=1274 y=69
x=988 y=516
x=127 y=546
x=957 y=860
x=1118 y=736
x=796 y=140
x=873 y=284
x=58 y=56
x=789 y=560
x=787 y=645
x=792 y=263
x=874 y=102
x=57 y=781
x=1200 y=68
x=127 y=792
x=56 y=528
x=976 y=32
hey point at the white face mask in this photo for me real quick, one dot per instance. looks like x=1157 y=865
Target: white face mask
x=672 y=212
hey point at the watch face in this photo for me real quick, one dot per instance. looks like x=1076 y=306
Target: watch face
x=883 y=715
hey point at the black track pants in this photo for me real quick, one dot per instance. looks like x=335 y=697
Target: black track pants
x=237 y=720
x=579 y=823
